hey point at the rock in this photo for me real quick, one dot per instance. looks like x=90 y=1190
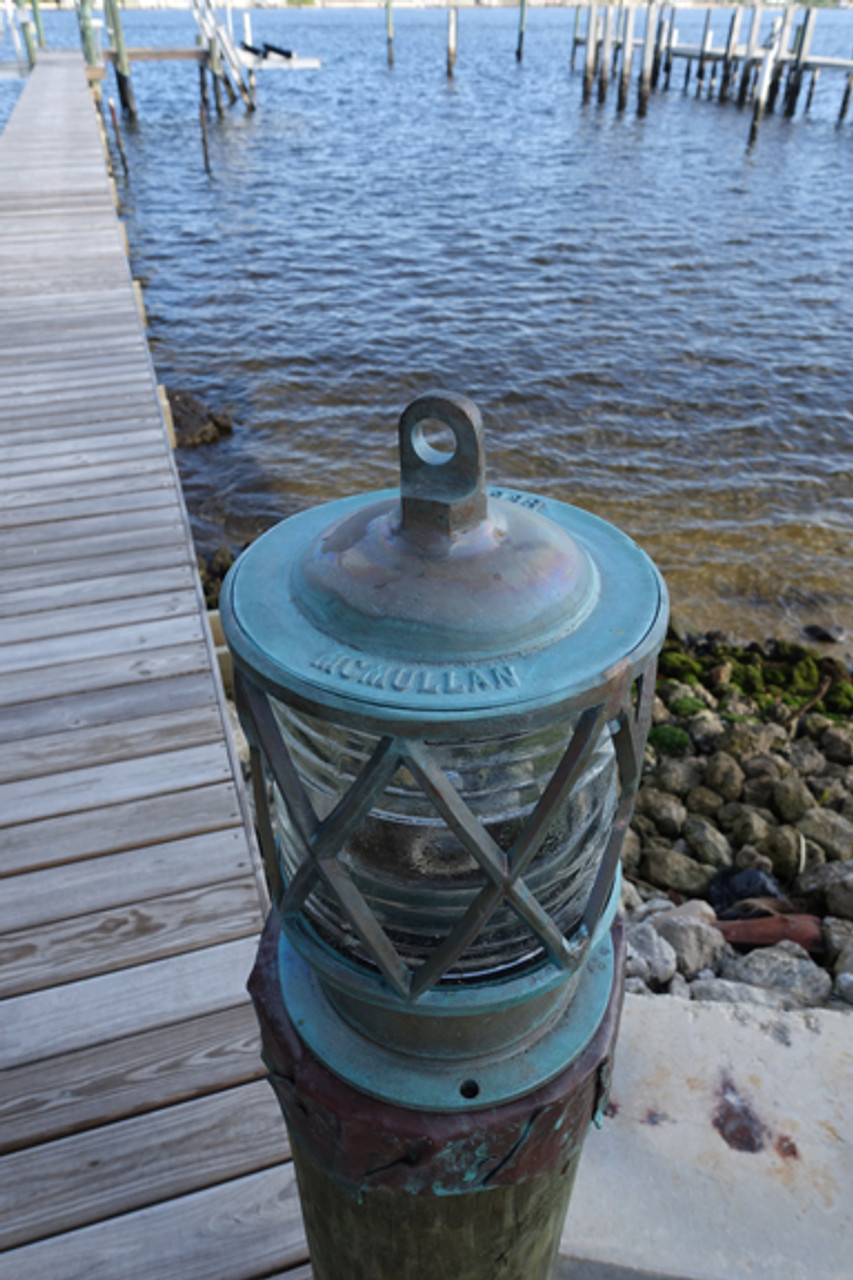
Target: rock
x=830 y=634
x=723 y=990
x=758 y=793
x=704 y=801
x=748 y=856
x=706 y=843
x=732 y=885
x=839 y=897
x=829 y=793
x=785 y=848
x=792 y=798
x=697 y=944
x=636 y=987
x=660 y=712
x=742 y=740
x=806 y=758
x=670 y=869
x=764 y=765
x=652 y=906
x=706 y=730
x=836 y=743
x=631 y=852
x=679 y=987
x=815 y=856
x=786 y=967
x=837 y=934
x=749 y=827
x=666 y=812
x=815 y=724
x=679 y=776
x=725 y=776
x=843 y=962
x=649 y=955
x=831 y=831
x=844 y=987
x=629 y=898
x=693 y=909
x=194 y=423
x=644 y=827
x=812 y=884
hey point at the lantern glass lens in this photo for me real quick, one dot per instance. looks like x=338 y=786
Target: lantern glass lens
x=415 y=874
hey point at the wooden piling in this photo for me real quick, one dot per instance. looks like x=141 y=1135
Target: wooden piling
x=660 y=37
x=29 y=40
x=202 y=111
x=389 y=31
x=671 y=38
x=618 y=25
x=452 y=33
x=215 y=66
x=87 y=34
x=731 y=50
x=845 y=101
x=687 y=71
x=795 y=78
x=627 y=58
x=707 y=37
x=575 y=35
x=749 y=56
x=779 y=67
x=812 y=87
x=522 y=23
x=34 y=5
x=591 y=51
x=606 y=52
x=122 y=62
x=768 y=67
x=648 y=59
x=119 y=139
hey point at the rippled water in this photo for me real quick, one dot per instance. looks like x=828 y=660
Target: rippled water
x=655 y=322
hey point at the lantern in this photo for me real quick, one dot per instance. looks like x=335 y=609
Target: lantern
x=446 y=692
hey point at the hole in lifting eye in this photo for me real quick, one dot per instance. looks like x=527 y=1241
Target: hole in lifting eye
x=434 y=441
x=469 y=1088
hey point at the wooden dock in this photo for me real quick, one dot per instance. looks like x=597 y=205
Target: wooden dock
x=138 y=1136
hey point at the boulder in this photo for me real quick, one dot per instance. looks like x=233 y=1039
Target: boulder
x=648 y=956
x=697 y=944
x=791 y=798
x=786 y=967
x=830 y=830
x=665 y=810
x=706 y=843
x=725 y=776
x=839 y=897
x=669 y=869
x=722 y=990
x=679 y=776
x=836 y=743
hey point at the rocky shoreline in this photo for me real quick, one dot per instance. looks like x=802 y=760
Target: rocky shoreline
x=738 y=868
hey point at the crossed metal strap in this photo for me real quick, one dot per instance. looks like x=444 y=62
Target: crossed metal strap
x=323 y=839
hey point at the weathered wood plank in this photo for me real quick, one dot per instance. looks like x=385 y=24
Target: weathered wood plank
x=137 y=609
x=145 y=735
x=137 y=875
x=32 y=496
x=135 y=933
x=102 y=673
x=91 y=787
x=165 y=530
x=112 y=1005
x=109 y=642
x=54 y=514
x=139 y=1162
x=137 y=824
x=240 y=1230
x=115 y=704
x=127 y=1077
x=73 y=592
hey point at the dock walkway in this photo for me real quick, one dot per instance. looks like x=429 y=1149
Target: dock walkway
x=138 y=1137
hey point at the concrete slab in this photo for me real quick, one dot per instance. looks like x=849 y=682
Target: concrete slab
x=728 y=1153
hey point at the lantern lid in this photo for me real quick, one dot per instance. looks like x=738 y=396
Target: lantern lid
x=445 y=597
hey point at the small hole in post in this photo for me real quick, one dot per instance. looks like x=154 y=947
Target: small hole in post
x=434 y=441
x=469 y=1088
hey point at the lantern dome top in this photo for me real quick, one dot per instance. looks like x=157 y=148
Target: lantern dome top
x=444 y=598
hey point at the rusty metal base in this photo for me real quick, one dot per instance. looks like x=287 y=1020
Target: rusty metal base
x=390 y=1193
